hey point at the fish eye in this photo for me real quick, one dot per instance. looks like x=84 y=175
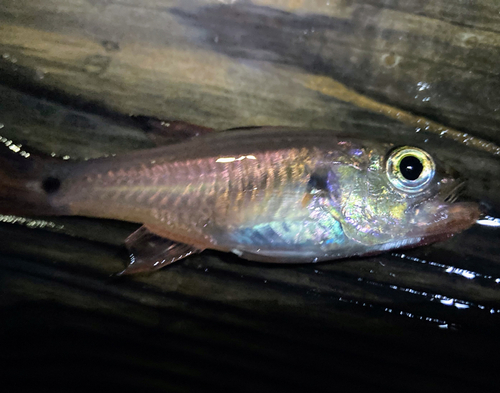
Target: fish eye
x=410 y=169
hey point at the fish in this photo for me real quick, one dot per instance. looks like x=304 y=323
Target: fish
x=268 y=194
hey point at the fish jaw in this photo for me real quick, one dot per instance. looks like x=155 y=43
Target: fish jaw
x=449 y=220
x=439 y=221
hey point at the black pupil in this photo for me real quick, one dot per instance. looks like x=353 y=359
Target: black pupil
x=411 y=167
x=51 y=185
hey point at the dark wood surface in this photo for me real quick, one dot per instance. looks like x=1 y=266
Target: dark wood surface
x=424 y=72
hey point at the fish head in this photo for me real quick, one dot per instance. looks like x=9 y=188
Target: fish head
x=402 y=197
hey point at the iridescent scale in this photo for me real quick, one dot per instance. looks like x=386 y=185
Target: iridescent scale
x=230 y=197
x=276 y=195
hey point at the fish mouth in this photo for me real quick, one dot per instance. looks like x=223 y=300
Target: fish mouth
x=448 y=217
x=444 y=220
x=457 y=216
x=452 y=192
x=460 y=216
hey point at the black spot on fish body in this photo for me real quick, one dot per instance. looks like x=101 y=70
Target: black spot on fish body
x=318 y=181
x=51 y=185
x=323 y=182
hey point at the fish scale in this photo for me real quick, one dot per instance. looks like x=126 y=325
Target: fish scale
x=186 y=187
x=272 y=194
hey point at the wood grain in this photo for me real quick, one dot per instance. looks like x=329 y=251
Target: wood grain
x=71 y=73
x=233 y=63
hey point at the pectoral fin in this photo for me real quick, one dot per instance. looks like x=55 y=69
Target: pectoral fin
x=150 y=252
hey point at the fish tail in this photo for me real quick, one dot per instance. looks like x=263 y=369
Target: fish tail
x=27 y=182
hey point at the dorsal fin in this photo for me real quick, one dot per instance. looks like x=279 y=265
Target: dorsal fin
x=167 y=132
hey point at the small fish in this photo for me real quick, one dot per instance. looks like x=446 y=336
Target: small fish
x=269 y=194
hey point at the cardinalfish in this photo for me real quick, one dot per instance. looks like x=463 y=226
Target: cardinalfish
x=266 y=194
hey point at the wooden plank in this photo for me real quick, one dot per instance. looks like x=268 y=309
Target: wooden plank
x=234 y=64
x=206 y=316
x=71 y=73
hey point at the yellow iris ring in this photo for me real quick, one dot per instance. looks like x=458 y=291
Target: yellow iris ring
x=394 y=171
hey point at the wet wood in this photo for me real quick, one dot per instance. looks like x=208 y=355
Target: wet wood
x=71 y=73
x=228 y=64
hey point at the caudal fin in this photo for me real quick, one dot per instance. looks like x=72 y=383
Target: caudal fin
x=26 y=182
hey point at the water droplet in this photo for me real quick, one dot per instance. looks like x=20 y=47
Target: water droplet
x=423 y=86
x=111 y=46
x=40 y=73
x=470 y=40
x=390 y=60
x=96 y=64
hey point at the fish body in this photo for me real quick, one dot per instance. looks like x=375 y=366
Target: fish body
x=270 y=194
